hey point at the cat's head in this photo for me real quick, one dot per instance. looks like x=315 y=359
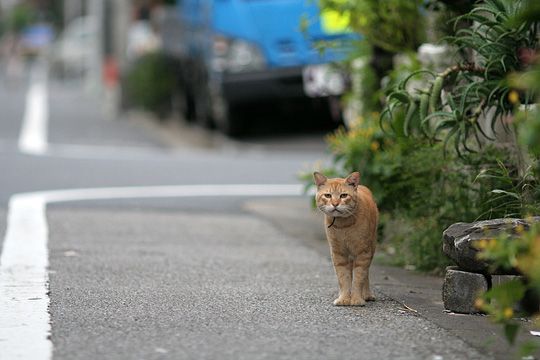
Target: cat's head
x=337 y=197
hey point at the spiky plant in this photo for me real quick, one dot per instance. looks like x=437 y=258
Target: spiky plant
x=492 y=47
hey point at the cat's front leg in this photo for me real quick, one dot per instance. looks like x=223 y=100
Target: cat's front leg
x=343 y=268
x=360 y=285
x=367 y=295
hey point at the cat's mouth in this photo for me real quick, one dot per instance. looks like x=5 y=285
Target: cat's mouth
x=341 y=212
x=336 y=213
x=333 y=211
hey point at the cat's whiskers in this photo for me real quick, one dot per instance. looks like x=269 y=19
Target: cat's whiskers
x=345 y=209
x=350 y=212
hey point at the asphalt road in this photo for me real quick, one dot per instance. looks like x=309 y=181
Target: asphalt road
x=191 y=277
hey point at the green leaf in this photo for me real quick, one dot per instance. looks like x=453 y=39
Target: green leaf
x=445 y=125
x=411 y=111
x=443 y=114
x=448 y=137
x=466 y=136
x=465 y=96
x=499 y=191
x=457 y=141
x=501 y=46
x=508 y=293
x=424 y=103
x=451 y=102
x=511 y=331
x=401 y=96
x=497 y=5
x=404 y=82
x=436 y=93
x=387 y=114
x=528 y=348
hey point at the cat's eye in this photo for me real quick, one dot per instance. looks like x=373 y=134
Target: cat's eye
x=328 y=196
x=343 y=196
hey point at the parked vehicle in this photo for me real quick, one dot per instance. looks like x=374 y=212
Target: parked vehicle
x=235 y=52
x=71 y=53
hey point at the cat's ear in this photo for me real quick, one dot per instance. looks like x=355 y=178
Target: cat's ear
x=319 y=178
x=353 y=179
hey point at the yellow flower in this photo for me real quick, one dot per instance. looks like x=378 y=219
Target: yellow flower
x=481 y=244
x=479 y=303
x=492 y=244
x=508 y=313
x=513 y=97
x=374 y=146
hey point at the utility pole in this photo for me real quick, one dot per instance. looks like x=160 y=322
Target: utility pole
x=95 y=9
x=121 y=19
x=72 y=9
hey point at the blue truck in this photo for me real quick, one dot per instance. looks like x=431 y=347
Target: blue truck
x=236 y=52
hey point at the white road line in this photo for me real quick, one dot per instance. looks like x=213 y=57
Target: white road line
x=33 y=135
x=24 y=317
x=235 y=190
x=24 y=300
x=104 y=152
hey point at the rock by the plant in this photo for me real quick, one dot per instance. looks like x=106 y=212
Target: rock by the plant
x=460 y=238
x=461 y=289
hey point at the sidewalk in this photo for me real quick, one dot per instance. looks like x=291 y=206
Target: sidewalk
x=418 y=293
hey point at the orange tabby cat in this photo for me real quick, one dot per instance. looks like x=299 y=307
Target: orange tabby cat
x=351 y=230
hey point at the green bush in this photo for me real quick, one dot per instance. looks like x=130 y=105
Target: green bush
x=522 y=252
x=517 y=298
x=150 y=83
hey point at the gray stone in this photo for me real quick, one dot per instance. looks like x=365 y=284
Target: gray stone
x=461 y=289
x=501 y=279
x=459 y=241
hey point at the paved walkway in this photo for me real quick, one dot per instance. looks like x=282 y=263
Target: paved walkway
x=419 y=294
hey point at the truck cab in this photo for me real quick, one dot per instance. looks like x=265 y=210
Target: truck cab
x=241 y=51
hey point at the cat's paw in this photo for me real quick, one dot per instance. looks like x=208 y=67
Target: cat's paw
x=342 y=301
x=357 y=301
x=370 y=298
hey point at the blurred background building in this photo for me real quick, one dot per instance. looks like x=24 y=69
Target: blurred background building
x=210 y=62
x=98 y=28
